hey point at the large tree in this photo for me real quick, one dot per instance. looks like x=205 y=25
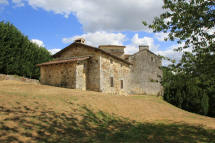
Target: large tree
x=18 y=55
x=192 y=24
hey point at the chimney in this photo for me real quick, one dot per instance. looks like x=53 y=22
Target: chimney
x=80 y=40
x=143 y=47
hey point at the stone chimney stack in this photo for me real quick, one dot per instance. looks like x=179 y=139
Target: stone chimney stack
x=80 y=40
x=143 y=47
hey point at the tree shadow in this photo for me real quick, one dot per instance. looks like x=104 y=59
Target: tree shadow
x=45 y=126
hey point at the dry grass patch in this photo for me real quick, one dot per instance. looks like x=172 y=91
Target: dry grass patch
x=38 y=113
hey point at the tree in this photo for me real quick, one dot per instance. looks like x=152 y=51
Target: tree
x=191 y=24
x=18 y=54
x=190 y=21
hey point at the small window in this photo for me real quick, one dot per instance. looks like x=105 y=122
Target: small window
x=111 y=61
x=111 y=81
x=121 y=65
x=121 y=84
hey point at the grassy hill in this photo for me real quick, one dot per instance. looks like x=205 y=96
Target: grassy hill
x=37 y=113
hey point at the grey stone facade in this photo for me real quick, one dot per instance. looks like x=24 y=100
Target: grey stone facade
x=145 y=73
x=105 y=69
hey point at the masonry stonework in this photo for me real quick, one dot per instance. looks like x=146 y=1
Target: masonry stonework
x=92 y=66
x=118 y=71
x=57 y=75
x=105 y=69
x=113 y=49
x=145 y=73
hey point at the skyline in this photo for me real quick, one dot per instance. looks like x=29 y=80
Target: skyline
x=55 y=24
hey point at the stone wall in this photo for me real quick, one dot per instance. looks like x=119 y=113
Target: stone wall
x=113 y=49
x=100 y=69
x=119 y=71
x=93 y=65
x=145 y=73
x=62 y=75
x=81 y=74
x=98 y=72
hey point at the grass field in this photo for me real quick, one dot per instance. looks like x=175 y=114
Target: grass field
x=45 y=114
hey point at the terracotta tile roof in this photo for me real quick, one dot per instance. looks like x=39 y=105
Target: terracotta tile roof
x=62 y=61
x=97 y=49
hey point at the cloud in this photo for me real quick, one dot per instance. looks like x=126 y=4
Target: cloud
x=161 y=36
x=54 y=51
x=41 y=44
x=103 y=38
x=18 y=3
x=108 y=15
x=211 y=31
x=38 y=42
x=136 y=41
x=4 y=2
x=170 y=53
x=99 y=38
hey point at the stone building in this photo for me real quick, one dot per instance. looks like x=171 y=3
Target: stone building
x=105 y=69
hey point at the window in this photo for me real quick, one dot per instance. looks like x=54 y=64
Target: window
x=111 y=81
x=121 y=65
x=121 y=84
x=111 y=61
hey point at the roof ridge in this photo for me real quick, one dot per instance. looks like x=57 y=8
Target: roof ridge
x=75 y=43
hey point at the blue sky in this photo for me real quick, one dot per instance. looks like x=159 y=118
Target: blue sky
x=55 y=24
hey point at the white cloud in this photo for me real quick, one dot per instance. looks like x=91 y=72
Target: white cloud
x=108 y=15
x=161 y=36
x=18 y=3
x=102 y=38
x=38 y=42
x=54 y=51
x=105 y=38
x=5 y=2
x=136 y=41
x=170 y=53
x=211 y=31
x=99 y=38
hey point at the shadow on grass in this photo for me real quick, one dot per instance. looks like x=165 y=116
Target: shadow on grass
x=87 y=126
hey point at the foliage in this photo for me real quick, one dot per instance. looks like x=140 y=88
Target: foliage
x=19 y=55
x=191 y=24
x=184 y=92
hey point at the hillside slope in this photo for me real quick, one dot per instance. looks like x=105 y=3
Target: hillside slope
x=39 y=113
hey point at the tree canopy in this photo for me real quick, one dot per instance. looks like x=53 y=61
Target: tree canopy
x=190 y=83
x=18 y=55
